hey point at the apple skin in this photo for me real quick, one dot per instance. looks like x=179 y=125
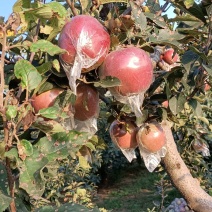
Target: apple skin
x=124 y=133
x=86 y=105
x=93 y=38
x=168 y=56
x=165 y=104
x=132 y=66
x=45 y=99
x=151 y=136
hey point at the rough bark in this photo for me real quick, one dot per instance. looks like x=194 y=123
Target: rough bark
x=190 y=187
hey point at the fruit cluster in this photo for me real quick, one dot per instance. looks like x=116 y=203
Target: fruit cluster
x=149 y=136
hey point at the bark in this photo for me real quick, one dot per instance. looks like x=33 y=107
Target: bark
x=190 y=187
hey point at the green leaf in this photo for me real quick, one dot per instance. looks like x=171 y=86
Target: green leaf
x=138 y=16
x=46 y=46
x=60 y=145
x=201 y=54
x=28 y=74
x=208 y=68
x=28 y=149
x=108 y=82
x=56 y=65
x=113 y=1
x=167 y=37
x=68 y=207
x=44 y=67
x=83 y=163
x=156 y=19
x=196 y=106
x=48 y=127
x=43 y=12
x=4 y=201
x=176 y=104
x=58 y=8
x=30 y=179
x=188 y=60
x=11 y=111
x=188 y=3
x=50 y=112
x=4 y=180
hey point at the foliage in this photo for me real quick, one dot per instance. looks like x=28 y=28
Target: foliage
x=43 y=162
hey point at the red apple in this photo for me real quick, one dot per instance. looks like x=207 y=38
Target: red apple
x=45 y=99
x=87 y=102
x=124 y=133
x=165 y=104
x=151 y=136
x=168 y=56
x=84 y=35
x=132 y=66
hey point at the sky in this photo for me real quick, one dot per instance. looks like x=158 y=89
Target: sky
x=6 y=8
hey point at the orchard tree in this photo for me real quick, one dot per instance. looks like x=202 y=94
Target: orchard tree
x=66 y=65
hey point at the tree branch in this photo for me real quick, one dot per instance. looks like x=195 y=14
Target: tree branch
x=190 y=187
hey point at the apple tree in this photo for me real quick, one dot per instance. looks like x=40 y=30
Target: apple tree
x=67 y=65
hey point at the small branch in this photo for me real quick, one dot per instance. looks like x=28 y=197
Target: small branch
x=34 y=40
x=71 y=5
x=11 y=185
x=4 y=45
x=163 y=8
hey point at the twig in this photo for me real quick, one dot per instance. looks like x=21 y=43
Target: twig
x=71 y=5
x=4 y=44
x=34 y=40
x=163 y=8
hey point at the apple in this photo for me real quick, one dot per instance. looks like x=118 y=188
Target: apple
x=86 y=105
x=132 y=66
x=45 y=99
x=151 y=137
x=124 y=133
x=84 y=35
x=168 y=56
x=165 y=104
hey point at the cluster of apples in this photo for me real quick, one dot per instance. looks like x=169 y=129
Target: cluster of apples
x=149 y=136
x=85 y=39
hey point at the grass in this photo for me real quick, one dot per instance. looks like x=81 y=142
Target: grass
x=133 y=190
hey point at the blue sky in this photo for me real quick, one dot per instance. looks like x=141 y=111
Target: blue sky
x=6 y=9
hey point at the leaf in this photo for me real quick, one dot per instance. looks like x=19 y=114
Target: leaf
x=60 y=145
x=50 y=112
x=156 y=19
x=138 y=16
x=194 y=10
x=4 y=180
x=196 y=106
x=43 y=12
x=24 y=149
x=167 y=37
x=208 y=68
x=201 y=54
x=108 y=82
x=188 y=3
x=176 y=104
x=11 y=111
x=28 y=74
x=30 y=172
x=48 y=127
x=56 y=65
x=42 y=69
x=4 y=201
x=58 y=9
x=46 y=46
x=68 y=207
x=83 y=163
x=188 y=60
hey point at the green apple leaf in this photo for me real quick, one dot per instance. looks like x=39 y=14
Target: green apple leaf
x=28 y=74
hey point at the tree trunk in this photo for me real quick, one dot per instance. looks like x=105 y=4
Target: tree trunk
x=190 y=188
